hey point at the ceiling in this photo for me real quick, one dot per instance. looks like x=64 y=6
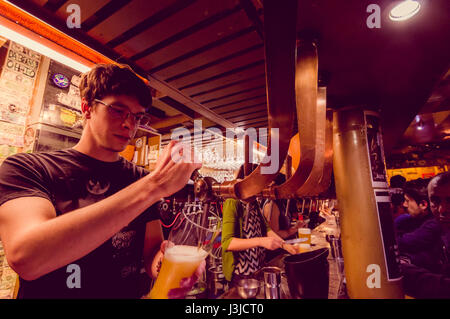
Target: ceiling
x=205 y=58
x=426 y=141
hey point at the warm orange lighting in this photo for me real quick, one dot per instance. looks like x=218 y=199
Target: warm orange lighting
x=42 y=49
x=404 y=10
x=14 y=20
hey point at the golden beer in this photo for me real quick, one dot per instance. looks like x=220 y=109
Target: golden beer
x=179 y=262
x=305 y=235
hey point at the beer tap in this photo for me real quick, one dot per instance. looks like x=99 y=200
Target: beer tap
x=203 y=186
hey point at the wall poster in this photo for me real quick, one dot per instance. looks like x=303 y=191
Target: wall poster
x=376 y=150
x=17 y=81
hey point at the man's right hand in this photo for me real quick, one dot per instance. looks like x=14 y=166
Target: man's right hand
x=173 y=169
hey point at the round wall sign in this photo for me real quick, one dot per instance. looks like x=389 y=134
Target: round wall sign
x=60 y=80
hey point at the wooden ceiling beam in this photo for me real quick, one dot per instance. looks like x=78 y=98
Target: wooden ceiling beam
x=244 y=111
x=187 y=101
x=254 y=121
x=248 y=117
x=170 y=121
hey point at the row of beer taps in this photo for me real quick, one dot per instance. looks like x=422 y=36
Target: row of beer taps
x=292 y=87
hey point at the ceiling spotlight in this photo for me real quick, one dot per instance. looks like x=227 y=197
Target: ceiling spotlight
x=404 y=10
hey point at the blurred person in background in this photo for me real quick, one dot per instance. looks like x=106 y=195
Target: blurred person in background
x=277 y=215
x=245 y=237
x=279 y=218
x=420 y=282
x=418 y=233
x=397 y=183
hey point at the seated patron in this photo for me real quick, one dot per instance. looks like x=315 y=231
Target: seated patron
x=420 y=282
x=418 y=233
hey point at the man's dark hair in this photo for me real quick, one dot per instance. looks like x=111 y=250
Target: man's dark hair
x=280 y=179
x=397 y=181
x=417 y=190
x=111 y=79
x=397 y=199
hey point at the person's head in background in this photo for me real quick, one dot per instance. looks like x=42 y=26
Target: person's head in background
x=439 y=196
x=416 y=198
x=240 y=175
x=397 y=181
x=397 y=200
x=280 y=179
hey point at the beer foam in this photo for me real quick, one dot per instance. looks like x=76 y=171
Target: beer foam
x=304 y=231
x=183 y=253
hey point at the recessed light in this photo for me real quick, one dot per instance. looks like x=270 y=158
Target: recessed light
x=404 y=10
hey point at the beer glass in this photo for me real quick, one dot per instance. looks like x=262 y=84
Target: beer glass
x=305 y=235
x=184 y=252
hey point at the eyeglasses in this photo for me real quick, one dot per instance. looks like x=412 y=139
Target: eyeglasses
x=122 y=112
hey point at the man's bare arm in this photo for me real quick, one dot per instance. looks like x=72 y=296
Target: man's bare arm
x=37 y=242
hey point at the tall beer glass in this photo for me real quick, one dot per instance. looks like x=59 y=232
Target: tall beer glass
x=183 y=253
x=180 y=261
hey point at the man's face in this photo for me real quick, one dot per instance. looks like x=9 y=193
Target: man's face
x=440 y=201
x=110 y=132
x=412 y=206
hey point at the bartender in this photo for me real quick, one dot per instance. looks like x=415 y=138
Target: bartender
x=80 y=222
x=245 y=238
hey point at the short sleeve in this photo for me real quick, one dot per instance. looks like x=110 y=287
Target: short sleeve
x=22 y=176
x=229 y=221
x=229 y=210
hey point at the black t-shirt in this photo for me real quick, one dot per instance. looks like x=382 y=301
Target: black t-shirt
x=71 y=180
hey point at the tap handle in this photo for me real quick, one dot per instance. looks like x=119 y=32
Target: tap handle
x=195 y=175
